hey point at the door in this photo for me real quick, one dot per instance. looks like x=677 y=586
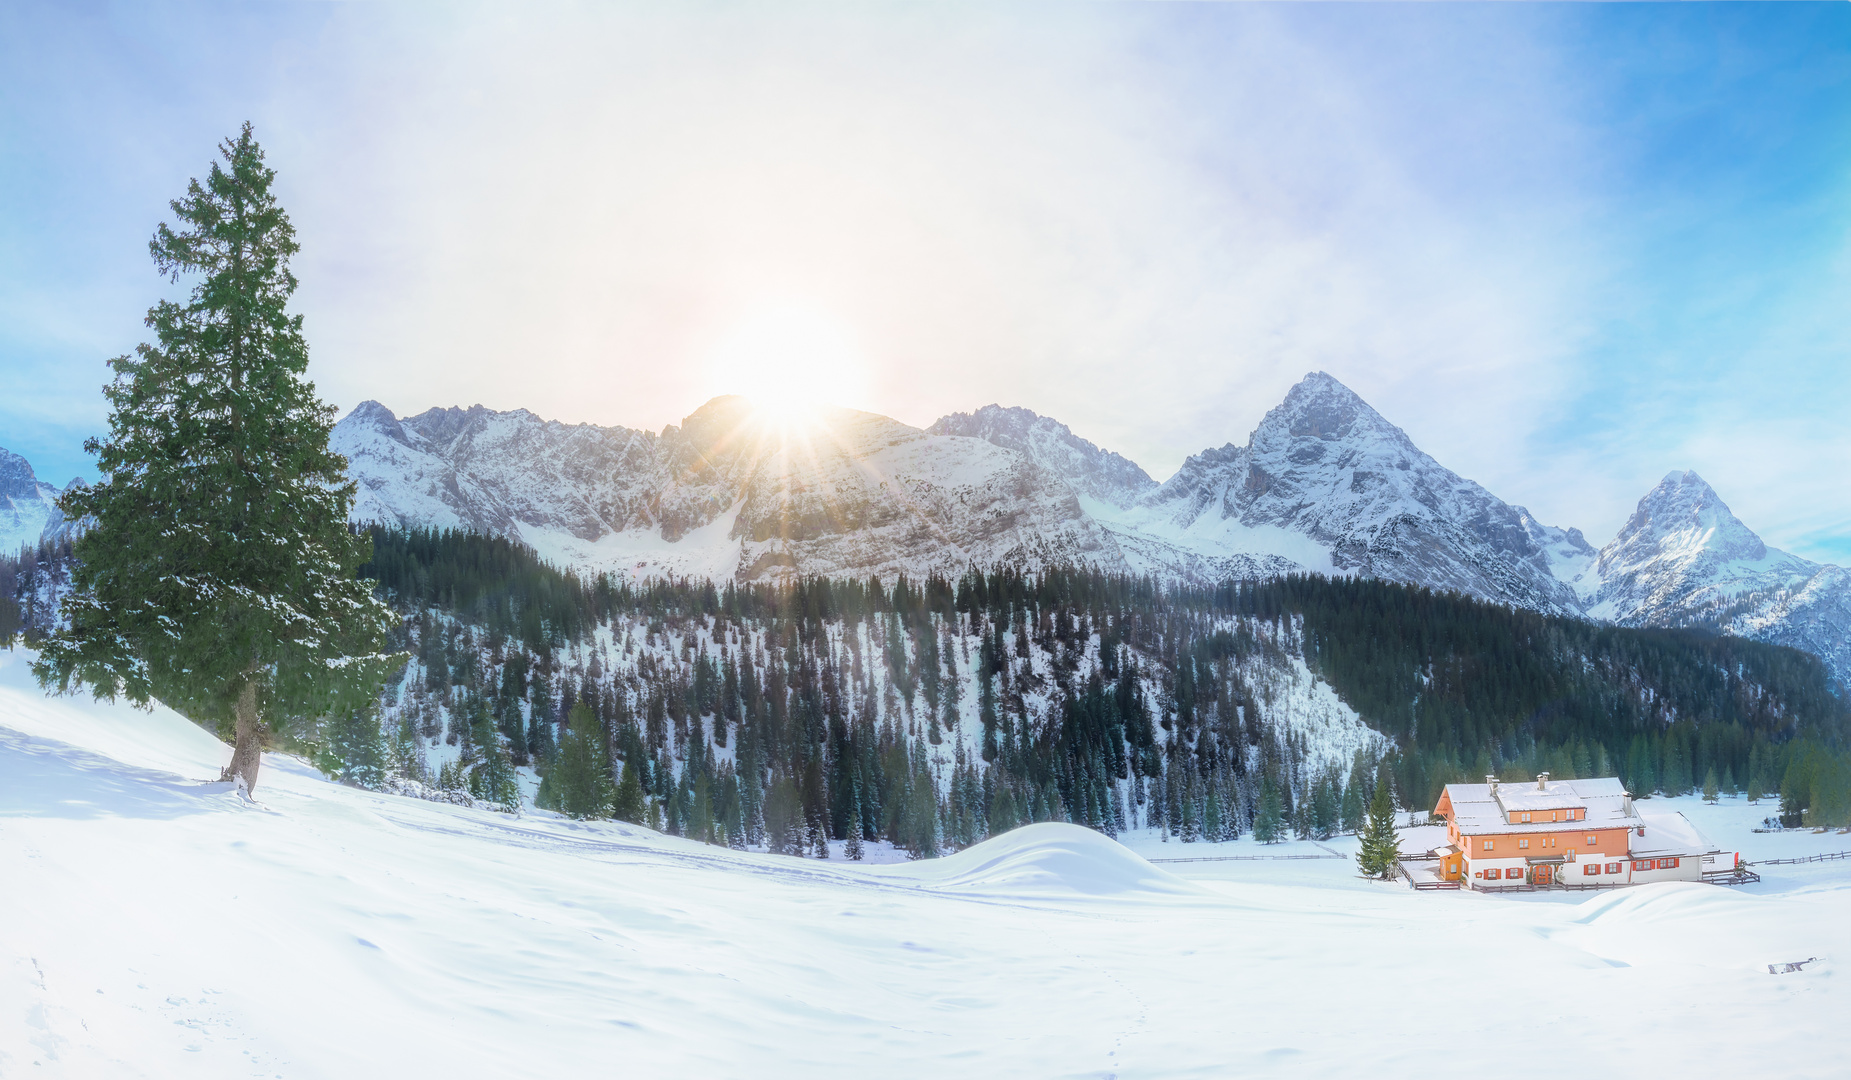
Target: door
x=1544 y=874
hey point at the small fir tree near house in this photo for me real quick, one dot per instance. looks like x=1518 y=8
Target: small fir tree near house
x=1711 y=789
x=1381 y=849
x=216 y=569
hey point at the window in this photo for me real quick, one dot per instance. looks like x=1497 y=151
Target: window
x=1667 y=864
x=1592 y=840
x=1590 y=869
x=1614 y=868
x=1526 y=818
x=1522 y=844
x=1641 y=864
x=1487 y=845
x=1514 y=872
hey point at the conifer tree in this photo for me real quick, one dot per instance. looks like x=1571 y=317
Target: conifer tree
x=356 y=751
x=700 y=813
x=1381 y=848
x=853 y=848
x=579 y=779
x=1710 y=786
x=217 y=570
x=1324 y=806
x=491 y=771
x=1269 y=819
x=1351 y=814
x=629 y=803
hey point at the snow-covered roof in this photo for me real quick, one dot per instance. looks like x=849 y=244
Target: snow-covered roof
x=1670 y=834
x=1556 y=796
x=1483 y=807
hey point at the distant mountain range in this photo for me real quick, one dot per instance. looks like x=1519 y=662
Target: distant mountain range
x=1323 y=484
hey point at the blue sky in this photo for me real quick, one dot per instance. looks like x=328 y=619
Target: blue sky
x=1568 y=248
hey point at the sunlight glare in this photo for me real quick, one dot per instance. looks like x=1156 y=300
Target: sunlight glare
x=791 y=360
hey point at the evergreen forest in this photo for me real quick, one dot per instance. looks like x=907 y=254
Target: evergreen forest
x=934 y=713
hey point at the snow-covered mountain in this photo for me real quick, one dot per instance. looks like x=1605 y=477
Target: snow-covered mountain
x=723 y=495
x=1684 y=559
x=1091 y=472
x=28 y=505
x=1325 y=483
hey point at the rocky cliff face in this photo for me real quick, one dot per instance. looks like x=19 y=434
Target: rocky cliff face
x=1088 y=470
x=28 y=505
x=1683 y=559
x=1325 y=483
x=722 y=494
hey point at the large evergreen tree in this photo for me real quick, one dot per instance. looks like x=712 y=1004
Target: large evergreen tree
x=216 y=568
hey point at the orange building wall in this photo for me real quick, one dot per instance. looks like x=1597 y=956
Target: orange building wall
x=1504 y=845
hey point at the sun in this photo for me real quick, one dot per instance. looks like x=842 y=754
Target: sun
x=791 y=360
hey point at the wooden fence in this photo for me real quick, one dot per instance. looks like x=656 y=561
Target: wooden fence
x=1829 y=856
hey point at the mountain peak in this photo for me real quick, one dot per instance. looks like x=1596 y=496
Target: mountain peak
x=370 y=415
x=1321 y=407
x=17 y=480
x=1682 y=513
x=1086 y=467
x=28 y=507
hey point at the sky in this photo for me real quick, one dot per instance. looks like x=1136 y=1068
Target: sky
x=1568 y=248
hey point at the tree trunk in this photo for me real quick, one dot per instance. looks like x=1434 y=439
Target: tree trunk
x=247 y=751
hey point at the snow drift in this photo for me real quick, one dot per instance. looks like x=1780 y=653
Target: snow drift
x=1049 y=858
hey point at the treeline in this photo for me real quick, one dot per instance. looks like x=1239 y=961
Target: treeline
x=1467 y=688
x=934 y=713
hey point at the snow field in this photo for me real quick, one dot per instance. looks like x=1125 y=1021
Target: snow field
x=152 y=924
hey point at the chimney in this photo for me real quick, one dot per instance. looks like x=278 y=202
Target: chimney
x=1542 y=781
x=1491 y=782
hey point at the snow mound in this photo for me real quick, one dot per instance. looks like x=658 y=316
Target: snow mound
x=1049 y=858
x=1657 y=903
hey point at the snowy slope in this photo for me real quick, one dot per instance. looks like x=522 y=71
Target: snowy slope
x=1326 y=484
x=156 y=926
x=28 y=511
